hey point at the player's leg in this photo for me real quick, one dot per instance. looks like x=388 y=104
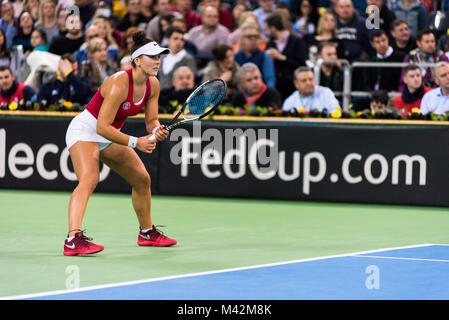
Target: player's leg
x=85 y=159
x=130 y=167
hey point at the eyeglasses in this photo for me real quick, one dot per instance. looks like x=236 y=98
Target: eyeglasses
x=251 y=36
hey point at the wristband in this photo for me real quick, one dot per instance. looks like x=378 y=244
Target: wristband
x=132 y=143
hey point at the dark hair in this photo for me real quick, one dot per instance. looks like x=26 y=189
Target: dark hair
x=171 y=30
x=423 y=33
x=219 y=52
x=42 y=33
x=325 y=44
x=380 y=96
x=397 y=22
x=376 y=34
x=19 y=28
x=314 y=15
x=140 y=39
x=5 y=52
x=410 y=67
x=275 y=21
x=69 y=57
x=4 y=68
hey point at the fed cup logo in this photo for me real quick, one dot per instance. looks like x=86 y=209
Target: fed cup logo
x=126 y=106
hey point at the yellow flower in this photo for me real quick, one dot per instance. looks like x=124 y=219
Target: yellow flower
x=301 y=110
x=359 y=113
x=336 y=114
x=67 y=104
x=415 y=110
x=13 y=106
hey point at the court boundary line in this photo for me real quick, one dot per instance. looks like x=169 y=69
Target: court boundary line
x=402 y=258
x=196 y=274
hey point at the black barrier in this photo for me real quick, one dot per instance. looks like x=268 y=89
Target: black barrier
x=276 y=160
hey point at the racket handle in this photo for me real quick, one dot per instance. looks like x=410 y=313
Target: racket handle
x=152 y=137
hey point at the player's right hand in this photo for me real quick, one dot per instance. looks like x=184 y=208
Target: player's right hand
x=146 y=145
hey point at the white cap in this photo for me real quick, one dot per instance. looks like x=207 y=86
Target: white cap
x=150 y=49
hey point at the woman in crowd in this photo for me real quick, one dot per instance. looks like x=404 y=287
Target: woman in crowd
x=47 y=19
x=6 y=57
x=39 y=40
x=97 y=67
x=23 y=36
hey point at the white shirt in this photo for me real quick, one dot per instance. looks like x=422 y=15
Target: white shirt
x=171 y=59
x=321 y=98
x=434 y=101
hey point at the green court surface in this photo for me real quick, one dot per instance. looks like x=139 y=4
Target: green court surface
x=212 y=234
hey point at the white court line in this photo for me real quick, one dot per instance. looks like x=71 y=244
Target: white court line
x=60 y=292
x=399 y=258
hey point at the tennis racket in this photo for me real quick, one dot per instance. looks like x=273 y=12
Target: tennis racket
x=201 y=103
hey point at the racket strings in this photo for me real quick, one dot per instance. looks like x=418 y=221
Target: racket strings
x=204 y=99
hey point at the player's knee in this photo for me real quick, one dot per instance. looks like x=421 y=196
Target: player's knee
x=143 y=181
x=89 y=182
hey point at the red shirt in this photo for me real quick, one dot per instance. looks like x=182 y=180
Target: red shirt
x=399 y=103
x=127 y=108
x=16 y=96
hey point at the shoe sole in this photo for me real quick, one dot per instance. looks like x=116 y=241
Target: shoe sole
x=81 y=254
x=155 y=244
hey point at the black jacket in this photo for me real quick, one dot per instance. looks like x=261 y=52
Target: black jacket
x=73 y=89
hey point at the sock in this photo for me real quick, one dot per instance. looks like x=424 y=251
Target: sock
x=146 y=230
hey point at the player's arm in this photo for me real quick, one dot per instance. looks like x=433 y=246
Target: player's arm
x=151 y=112
x=115 y=91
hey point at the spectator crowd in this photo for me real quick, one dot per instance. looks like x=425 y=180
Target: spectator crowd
x=265 y=50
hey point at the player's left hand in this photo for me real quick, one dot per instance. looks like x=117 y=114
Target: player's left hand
x=161 y=134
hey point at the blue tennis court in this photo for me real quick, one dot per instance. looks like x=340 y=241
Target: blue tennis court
x=406 y=273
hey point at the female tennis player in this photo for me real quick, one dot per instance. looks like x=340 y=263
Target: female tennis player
x=95 y=135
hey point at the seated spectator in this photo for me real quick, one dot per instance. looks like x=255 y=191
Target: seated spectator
x=386 y=16
x=94 y=31
x=309 y=96
x=331 y=74
x=12 y=90
x=127 y=42
x=225 y=18
x=306 y=18
x=149 y=9
x=177 y=57
x=265 y=8
x=379 y=102
x=70 y=41
x=47 y=19
x=236 y=13
x=283 y=9
x=224 y=67
x=210 y=34
x=106 y=32
x=6 y=57
x=8 y=21
x=66 y=85
x=414 y=13
x=351 y=29
x=402 y=41
x=97 y=67
x=326 y=32
x=125 y=63
x=253 y=91
x=152 y=30
x=39 y=40
x=134 y=17
x=383 y=78
x=23 y=36
x=250 y=52
x=437 y=100
x=32 y=6
x=87 y=9
x=246 y=18
x=183 y=84
x=184 y=7
x=61 y=16
x=413 y=91
x=287 y=51
x=425 y=53
x=178 y=22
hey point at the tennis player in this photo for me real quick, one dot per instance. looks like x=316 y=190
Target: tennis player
x=95 y=135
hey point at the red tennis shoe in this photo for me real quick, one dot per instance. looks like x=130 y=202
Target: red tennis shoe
x=154 y=237
x=81 y=244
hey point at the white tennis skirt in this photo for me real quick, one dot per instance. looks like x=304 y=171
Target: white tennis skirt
x=84 y=128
